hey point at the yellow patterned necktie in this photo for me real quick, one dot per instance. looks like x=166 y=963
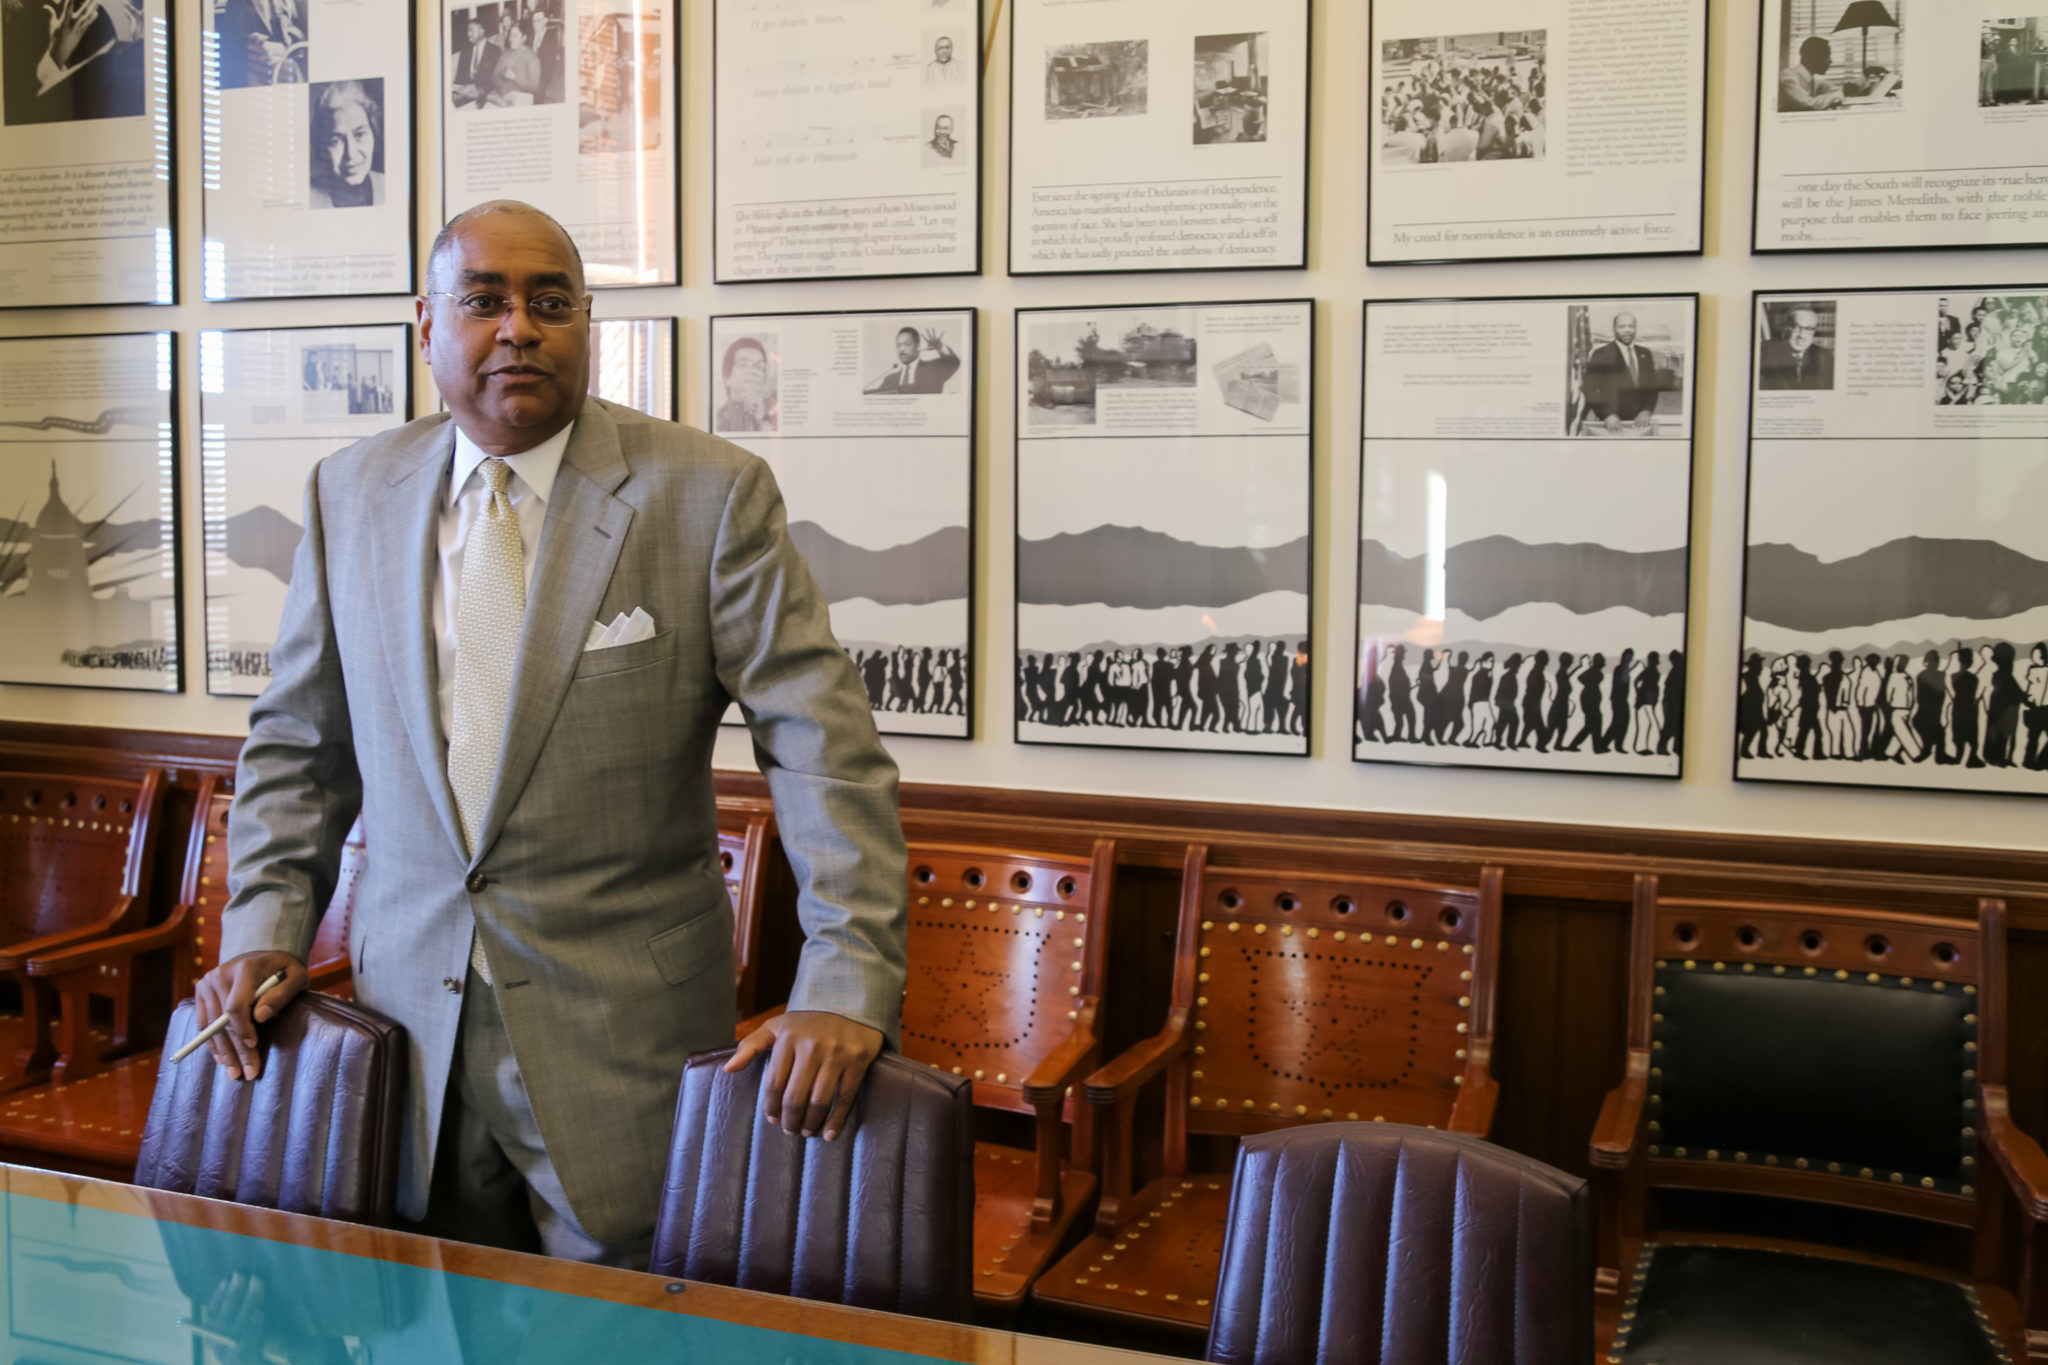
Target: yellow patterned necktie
x=488 y=614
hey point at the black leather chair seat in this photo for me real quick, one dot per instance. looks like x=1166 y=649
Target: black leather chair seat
x=1714 y=1305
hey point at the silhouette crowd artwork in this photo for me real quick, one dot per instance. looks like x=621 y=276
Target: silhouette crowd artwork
x=1976 y=707
x=1256 y=686
x=1533 y=702
x=925 y=681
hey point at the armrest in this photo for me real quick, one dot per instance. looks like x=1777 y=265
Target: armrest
x=103 y=951
x=14 y=957
x=2018 y=1155
x=1477 y=1095
x=1050 y=1080
x=1122 y=1077
x=333 y=971
x=1620 y=1129
x=746 y=1026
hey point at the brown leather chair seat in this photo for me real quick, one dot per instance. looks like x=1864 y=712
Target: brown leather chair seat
x=316 y=1133
x=1381 y=1244
x=880 y=1217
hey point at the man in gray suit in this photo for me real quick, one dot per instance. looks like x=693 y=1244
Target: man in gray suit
x=544 y=910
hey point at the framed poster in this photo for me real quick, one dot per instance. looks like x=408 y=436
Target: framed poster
x=272 y=404
x=328 y=211
x=1524 y=533
x=86 y=154
x=1158 y=135
x=1164 y=527
x=1894 y=124
x=633 y=362
x=571 y=106
x=867 y=420
x=1478 y=154
x=1895 y=594
x=89 y=512
x=848 y=136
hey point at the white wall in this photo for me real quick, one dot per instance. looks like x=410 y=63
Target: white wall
x=1706 y=799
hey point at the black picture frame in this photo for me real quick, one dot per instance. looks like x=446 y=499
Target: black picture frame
x=972 y=689
x=169 y=460
x=1307 y=176
x=1305 y=705
x=973 y=207
x=1758 y=300
x=1699 y=227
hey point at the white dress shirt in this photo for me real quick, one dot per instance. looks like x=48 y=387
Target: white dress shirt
x=462 y=502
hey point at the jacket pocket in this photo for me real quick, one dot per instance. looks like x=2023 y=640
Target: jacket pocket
x=686 y=950
x=595 y=663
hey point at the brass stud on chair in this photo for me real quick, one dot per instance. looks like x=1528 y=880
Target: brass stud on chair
x=1720 y=966
x=1232 y=926
x=1690 y=964
x=1812 y=971
x=1339 y=936
x=1258 y=928
x=1800 y=1162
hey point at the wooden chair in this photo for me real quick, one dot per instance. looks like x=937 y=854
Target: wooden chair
x=745 y=841
x=94 y=1125
x=1842 y=1056
x=1300 y=995
x=76 y=859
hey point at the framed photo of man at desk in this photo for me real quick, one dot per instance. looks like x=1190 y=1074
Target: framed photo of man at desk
x=1895 y=593
x=848 y=139
x=1525 y=534
x=1533 y=129
x=86 y=153
x=327 y=212
x=1886 y=125
x=89 y=582
x=867 y=420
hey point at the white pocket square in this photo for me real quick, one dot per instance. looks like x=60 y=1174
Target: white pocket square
x=624 y=630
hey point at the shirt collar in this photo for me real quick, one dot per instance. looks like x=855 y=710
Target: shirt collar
x=536 y=468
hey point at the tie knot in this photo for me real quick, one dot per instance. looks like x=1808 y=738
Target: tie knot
x=497 y=476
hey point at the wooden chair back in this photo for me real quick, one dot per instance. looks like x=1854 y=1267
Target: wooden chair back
x=204 y=888
x=74 y=850
x=329 y=966
x=744 y=843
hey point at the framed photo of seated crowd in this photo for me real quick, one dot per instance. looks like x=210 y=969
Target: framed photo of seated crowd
x=86 y=154
x=1525 y=533
x=1895 y=591
x=1164 y=527
x=272 y=404
x=1887 y=125
x=867 y=419
x=569 y=105
x=89 y=583
x=1533 y=129
x=1153 y=135
x=306 y=111
x=847 y=137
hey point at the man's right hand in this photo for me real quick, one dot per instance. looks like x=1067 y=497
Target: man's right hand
x=230 y=989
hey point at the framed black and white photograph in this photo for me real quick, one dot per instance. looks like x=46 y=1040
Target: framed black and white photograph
x=1152 y=135
x=85 y=153
x=89 y=512
x=273 y=403
x=572 y=106
x=1524 y=534
x=1164 y=527
x=1895 y=591
x=328 y=212
x=633 y=362
x=848 y=140
x=867 y=420
x=1534 y=131
x=1887 y=125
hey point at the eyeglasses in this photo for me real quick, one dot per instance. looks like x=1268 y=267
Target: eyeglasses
x=549 y=310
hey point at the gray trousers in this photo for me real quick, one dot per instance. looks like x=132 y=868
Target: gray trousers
x=493 y=1184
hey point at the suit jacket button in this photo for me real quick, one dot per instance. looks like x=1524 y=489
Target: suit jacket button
x=477 y=882
x=454 y=986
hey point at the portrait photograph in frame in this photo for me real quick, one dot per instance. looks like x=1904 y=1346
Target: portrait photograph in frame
x=1158 y=135
x=1524 y=557
x=867 y=420
x=1895 y=583
x=273 y=403
x=633 y=362
x=329 y=212
x=1164 y=527
x=847 y=140
x=89 y=578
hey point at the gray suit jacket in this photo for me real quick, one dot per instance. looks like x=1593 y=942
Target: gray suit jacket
x=599 y=899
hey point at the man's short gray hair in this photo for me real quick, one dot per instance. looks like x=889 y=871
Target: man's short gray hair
x=444 y=240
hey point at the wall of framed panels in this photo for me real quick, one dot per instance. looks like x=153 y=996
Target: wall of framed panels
x=1706 y=796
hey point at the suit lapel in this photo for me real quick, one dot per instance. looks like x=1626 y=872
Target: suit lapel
x=404 y=541
x=579 y=548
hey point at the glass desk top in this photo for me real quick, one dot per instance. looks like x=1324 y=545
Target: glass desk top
x=104 y=1272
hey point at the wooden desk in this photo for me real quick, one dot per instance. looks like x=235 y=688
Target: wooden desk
x=98 y=1271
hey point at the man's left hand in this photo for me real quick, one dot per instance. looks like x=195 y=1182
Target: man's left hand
x=814 y=1071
